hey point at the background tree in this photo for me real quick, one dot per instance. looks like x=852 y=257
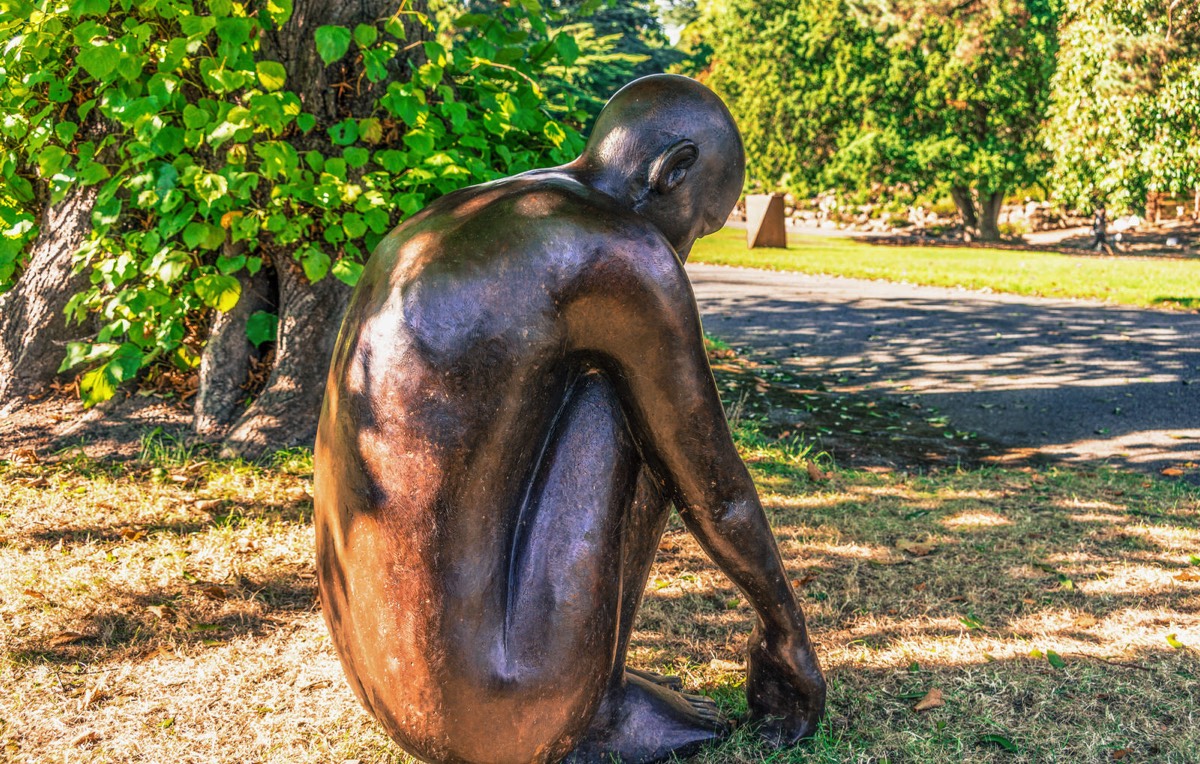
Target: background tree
x=965 y=95
x=938 y=95
x=793 y=74
x=236 y=162
x=1125 y=122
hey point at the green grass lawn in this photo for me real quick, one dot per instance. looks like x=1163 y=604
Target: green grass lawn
x=1140 y=281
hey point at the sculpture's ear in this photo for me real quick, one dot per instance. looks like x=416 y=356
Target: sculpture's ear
x=671 y=167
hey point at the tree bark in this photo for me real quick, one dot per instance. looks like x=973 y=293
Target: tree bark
x=225 y=362
x=966 y=209
x=33 y=329
x=285 y=413
x=989 y=216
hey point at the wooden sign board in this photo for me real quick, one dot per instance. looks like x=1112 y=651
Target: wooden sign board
x=765 y=225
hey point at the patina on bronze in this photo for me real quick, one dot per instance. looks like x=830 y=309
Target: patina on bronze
x=519 y=393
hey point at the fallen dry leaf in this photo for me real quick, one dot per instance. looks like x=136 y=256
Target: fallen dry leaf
x=933 y=699
x=1188 y=575
x=1120 y=753
x=84 y=738
x=804 y=581
x=815 y=472
x=66 y=638
x=915 y=548
x=132 y=534
x=718 y=664
x=1085 y=621
x=94 y=696
x=23 y=457
x=1172 y=472
x=159 y=611
x=34 y=593
x=214 y=592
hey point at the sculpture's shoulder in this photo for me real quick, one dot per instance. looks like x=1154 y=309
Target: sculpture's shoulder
x=539 y=202
x=544 y=219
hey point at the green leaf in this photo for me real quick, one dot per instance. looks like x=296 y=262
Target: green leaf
x=202 y=235
x=332 y=42
x=306 y=121
x=81 y=8
x=230 y=265
x=1055 y=659
x=566 y=47
x=217 y=291
x=347 y=271
x=1174 y=642
x=344 y=133
x=85 y=352
x=1194 y=559
x=370 y=130
x=365 y=35
x=999 y=740
x=210 y=187
x=99 y=60
x=395 y=27
x=354 y=224
x=554 y=133
x=262 y=327
x=392 y=160
x=377 y=220
x=271 y=74
x=195 y=117
x=356 y=156
x=419 y=141
x=101 y=383
x=315 y=264
x=51 y=160
x=468 y=20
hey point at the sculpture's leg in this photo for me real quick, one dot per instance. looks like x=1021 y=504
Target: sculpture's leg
x=641 y=719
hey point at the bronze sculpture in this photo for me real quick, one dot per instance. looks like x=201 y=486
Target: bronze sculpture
x=519 y=393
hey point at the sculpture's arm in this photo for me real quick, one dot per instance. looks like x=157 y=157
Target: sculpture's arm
x=643 y=319
x=639 y=318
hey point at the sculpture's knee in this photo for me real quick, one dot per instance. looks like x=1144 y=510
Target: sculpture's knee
x=532 y=717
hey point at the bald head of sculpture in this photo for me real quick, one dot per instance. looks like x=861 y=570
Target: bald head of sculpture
x=667 y=148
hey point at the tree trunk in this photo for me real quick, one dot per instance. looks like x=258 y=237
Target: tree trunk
x=989 y=216
x=285 y=413
x=33 y=329
x=225 y=363
x=966 y=209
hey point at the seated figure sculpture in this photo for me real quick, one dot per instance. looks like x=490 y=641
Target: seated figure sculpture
x=519 y=393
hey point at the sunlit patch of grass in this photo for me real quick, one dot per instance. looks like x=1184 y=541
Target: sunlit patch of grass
x=164 y=609
x=1134 y=280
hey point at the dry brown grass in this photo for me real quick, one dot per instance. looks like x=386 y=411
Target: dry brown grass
x=164 y=610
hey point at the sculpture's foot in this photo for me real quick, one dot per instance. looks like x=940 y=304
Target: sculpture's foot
x=662 y=680
x=645 y=722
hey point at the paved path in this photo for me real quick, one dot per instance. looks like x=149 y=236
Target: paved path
x=1081 y=380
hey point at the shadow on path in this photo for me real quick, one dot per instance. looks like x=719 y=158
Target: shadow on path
x=1078 y=380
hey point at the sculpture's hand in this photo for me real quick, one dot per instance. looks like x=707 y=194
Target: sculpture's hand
x=784 y=686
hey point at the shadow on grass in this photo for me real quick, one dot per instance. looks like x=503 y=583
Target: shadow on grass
x=172 y=616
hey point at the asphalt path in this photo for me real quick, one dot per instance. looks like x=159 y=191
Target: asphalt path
x=1079 y=380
